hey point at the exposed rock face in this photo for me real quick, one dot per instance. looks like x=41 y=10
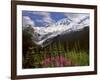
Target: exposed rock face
x=43 y=36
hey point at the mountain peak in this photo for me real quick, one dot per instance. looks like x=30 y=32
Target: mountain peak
x=63 y=26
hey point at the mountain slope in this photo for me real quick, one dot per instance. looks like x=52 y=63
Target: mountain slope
x=43 y=36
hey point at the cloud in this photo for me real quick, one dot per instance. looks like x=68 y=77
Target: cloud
x=26 y=20
x=76 y=16
x=46 y=16
x=42 y=13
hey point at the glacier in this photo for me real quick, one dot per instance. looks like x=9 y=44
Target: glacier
x=43 y=36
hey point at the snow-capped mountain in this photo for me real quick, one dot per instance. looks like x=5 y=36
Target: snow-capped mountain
x=43 y=36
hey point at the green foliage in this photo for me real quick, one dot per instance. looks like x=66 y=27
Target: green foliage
x=80 y=58
x=76 y=55
x=34 y=56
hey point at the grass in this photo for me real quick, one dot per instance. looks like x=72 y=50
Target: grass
x=56 y=55
x=80 y=58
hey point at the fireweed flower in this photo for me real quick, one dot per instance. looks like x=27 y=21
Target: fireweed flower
x=58 y=61
x=61 y=61
x=46 y=61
